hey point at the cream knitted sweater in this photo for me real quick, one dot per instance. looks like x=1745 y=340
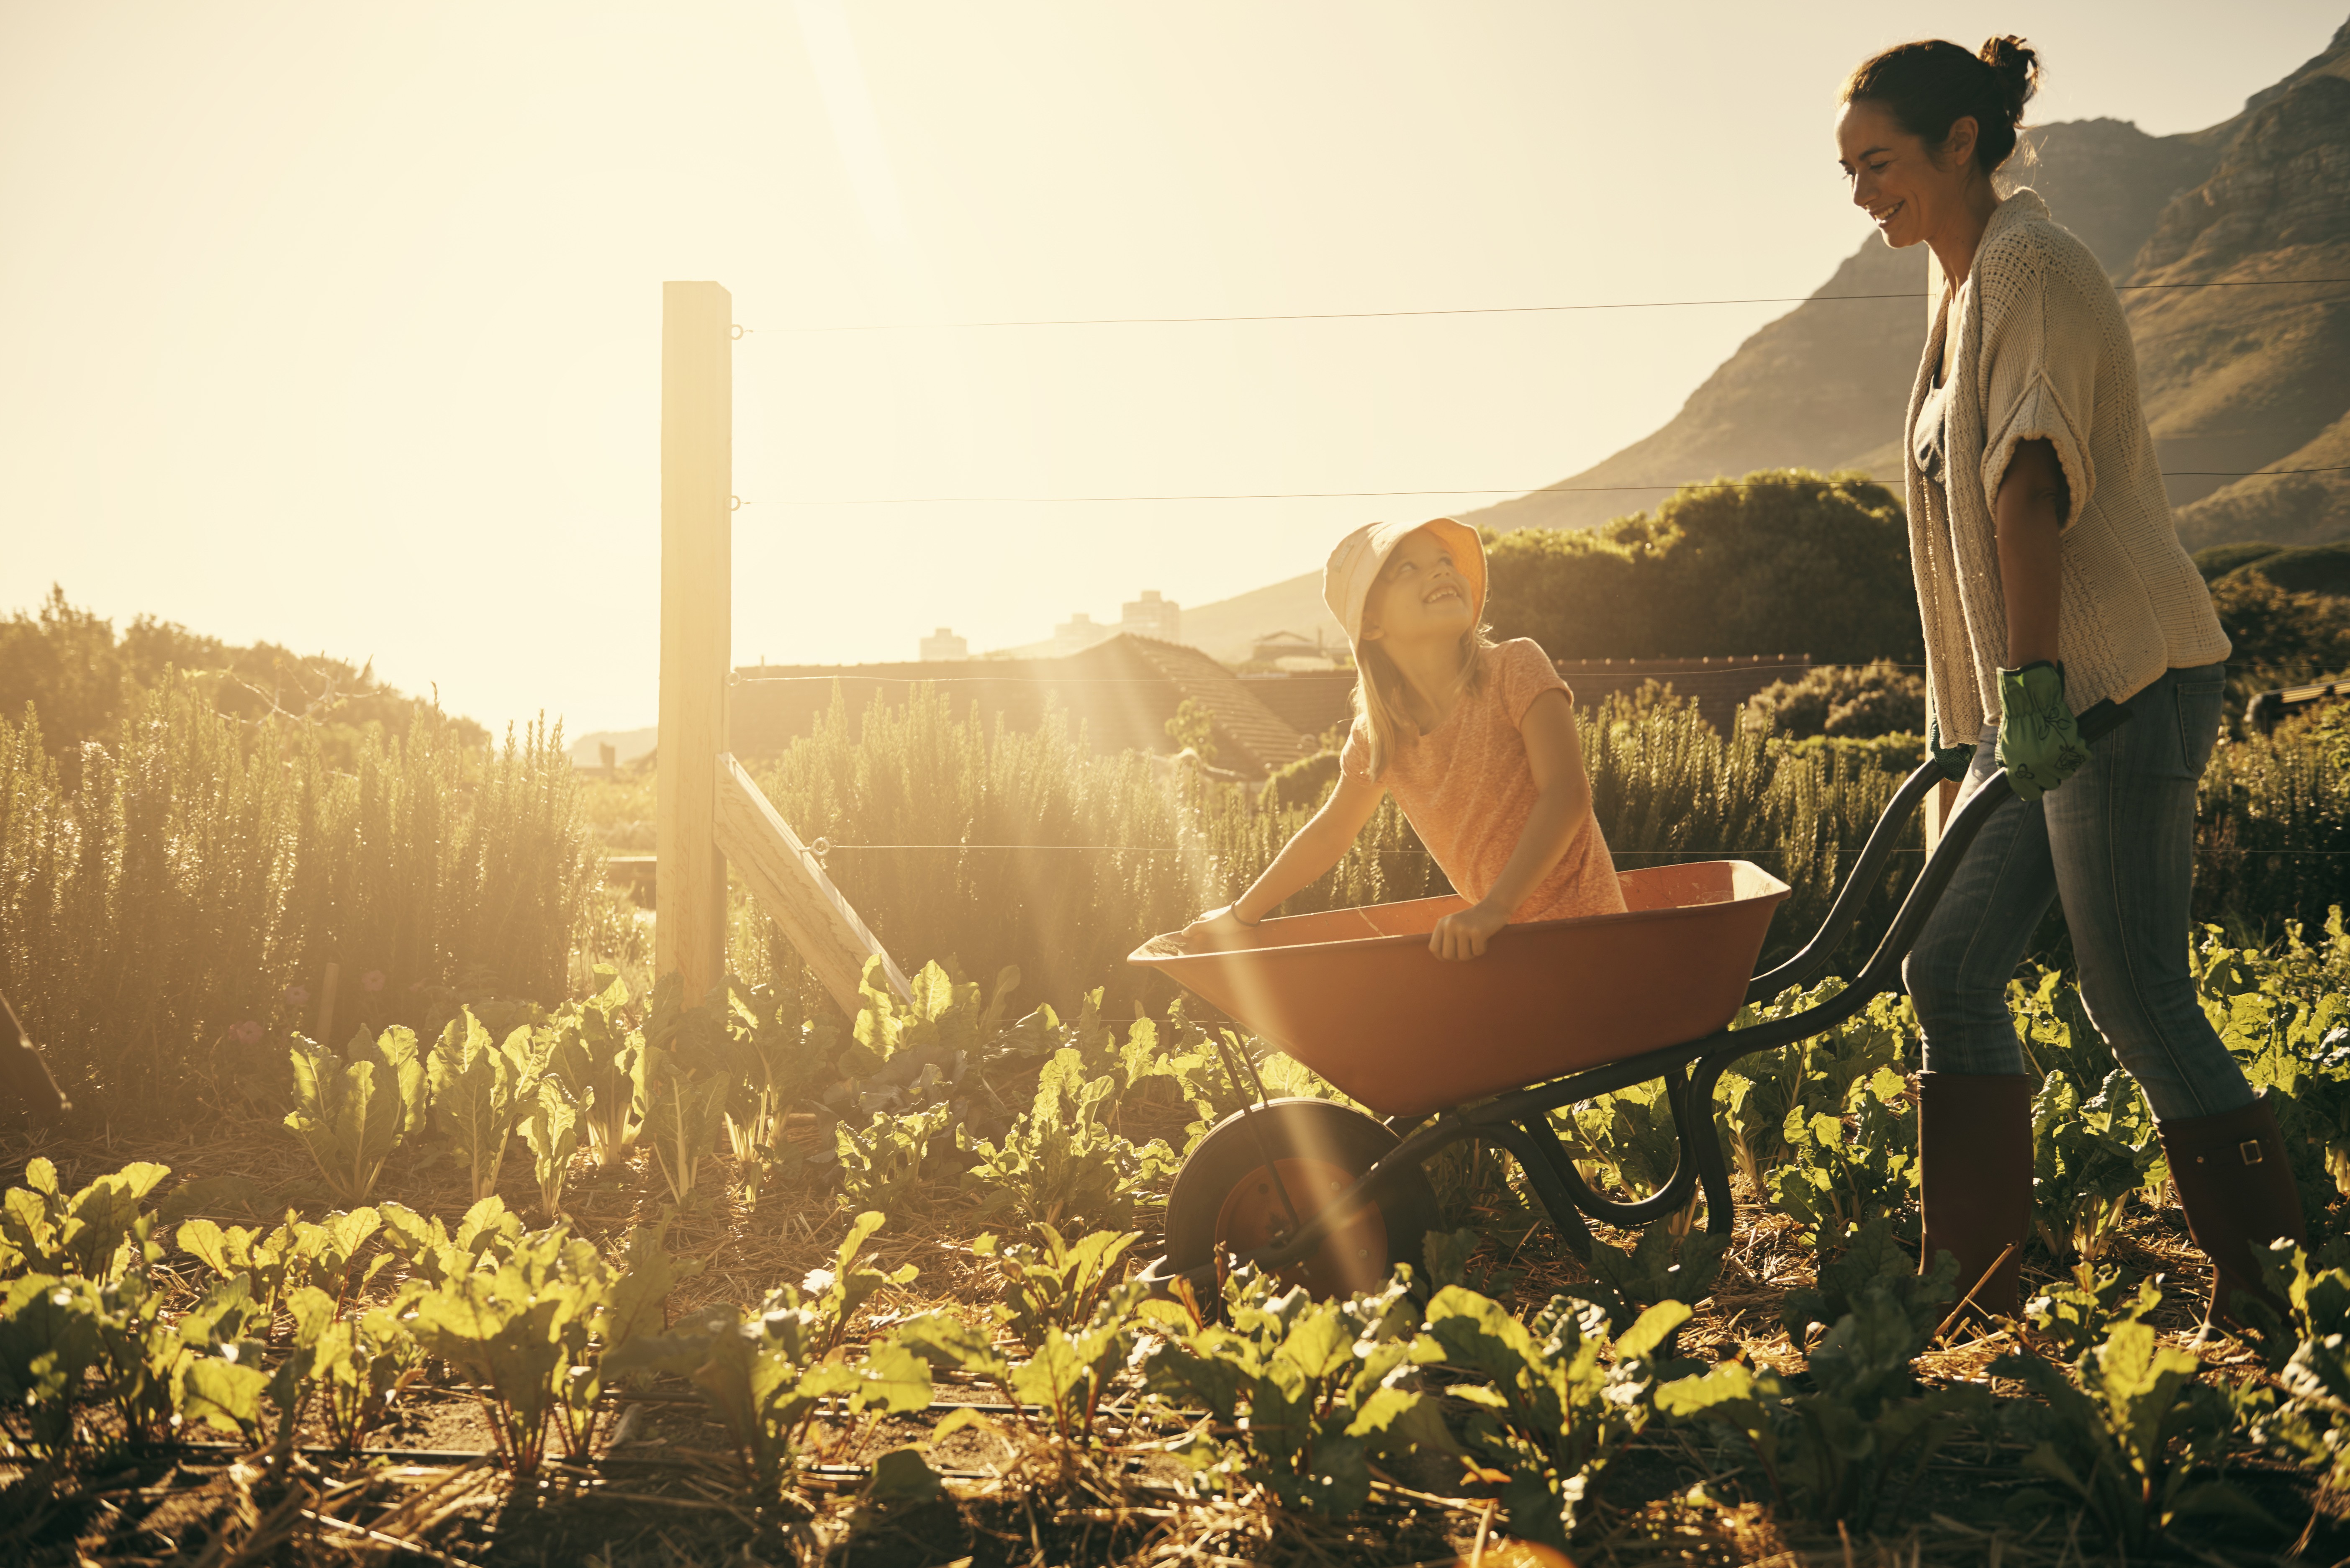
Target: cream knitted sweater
x=2044 y=353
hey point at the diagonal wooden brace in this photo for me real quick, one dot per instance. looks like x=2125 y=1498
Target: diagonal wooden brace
x=791 y=885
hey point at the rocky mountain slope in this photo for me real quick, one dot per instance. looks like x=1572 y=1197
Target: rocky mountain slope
x=2236 y=379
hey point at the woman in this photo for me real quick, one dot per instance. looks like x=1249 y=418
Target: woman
x=2050 y=576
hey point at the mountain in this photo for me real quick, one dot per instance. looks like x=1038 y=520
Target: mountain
x=2258 y=377
x=628 y=745
x=1228 y=627
x=2236 y=378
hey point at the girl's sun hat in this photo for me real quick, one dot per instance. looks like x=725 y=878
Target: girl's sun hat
x=1355 y=565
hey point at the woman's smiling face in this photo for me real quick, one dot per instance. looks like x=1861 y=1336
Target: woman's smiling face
x=1897 y=180
x=1420 y=593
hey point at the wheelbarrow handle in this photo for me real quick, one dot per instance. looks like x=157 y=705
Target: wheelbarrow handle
x=1883 y=972
x=2101 y=718
x=1885 y=842
x=1881 y=975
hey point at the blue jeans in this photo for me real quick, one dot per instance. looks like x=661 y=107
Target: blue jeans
x=2117 y=843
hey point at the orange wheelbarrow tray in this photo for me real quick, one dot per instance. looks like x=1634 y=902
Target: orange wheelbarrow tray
x=1555 y=1013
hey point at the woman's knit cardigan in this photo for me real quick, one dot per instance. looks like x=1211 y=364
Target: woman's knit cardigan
x=2044 y=354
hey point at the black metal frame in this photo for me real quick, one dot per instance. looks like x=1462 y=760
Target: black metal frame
x=1519 y=1121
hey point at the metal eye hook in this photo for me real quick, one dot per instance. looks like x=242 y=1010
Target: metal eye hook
x=735 y=503
x=738 y=332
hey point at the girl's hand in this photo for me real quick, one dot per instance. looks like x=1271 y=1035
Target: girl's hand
x=1464 y=935
x=1217 y=931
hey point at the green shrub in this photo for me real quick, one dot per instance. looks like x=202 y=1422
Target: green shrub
x=1666 y=787
x=1860 y=702
x=169 y=913
x=2272 y=827
x=2278 y=638
x=1785 y=561
x=1057 y=862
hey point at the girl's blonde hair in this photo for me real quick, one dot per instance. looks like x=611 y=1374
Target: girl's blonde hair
x=1378 y=692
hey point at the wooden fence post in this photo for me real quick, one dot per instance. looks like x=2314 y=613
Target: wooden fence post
x=697 y=461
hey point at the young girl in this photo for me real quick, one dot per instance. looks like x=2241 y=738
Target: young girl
x=1475 y=739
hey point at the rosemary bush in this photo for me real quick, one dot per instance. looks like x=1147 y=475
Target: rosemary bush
x=1047 y=857
x=2272 y=831
x=178 y=904
x=1056 y=860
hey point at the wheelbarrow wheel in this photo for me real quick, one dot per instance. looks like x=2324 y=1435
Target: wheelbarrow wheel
x=1227 y=1192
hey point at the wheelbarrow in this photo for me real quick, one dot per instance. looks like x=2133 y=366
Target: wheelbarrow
x=1555 y=1013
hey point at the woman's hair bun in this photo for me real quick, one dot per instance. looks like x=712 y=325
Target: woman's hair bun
x=1931 y=84
x=2016 y=67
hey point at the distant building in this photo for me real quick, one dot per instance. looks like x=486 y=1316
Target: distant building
x=1273 y=647
x=1118 y=693
x=1078 y=633
x=943 y=646
x=1151 y=616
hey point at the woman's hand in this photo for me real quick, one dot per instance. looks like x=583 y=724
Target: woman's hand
x=1217 y=931
x=1464 y=935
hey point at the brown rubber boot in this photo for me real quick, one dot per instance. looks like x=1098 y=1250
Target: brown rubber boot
x=2236 y=1184
x=1974 y=1169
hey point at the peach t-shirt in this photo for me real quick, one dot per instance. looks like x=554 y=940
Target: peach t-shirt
x=1468 y=788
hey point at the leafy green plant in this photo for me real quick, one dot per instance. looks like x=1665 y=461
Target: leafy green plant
x=1057 y=1284
x=682 y=1112
x=879 y=1167
x=1829 y=1451
x=360 y=1365
x=2295 y=1046
x=260 y=1256
x=1849 y=1168
x=2088 y=1158
x=1058 y=1163
x=48 y=1342
x=2074 y=1316
x=289 y=1255
x=93 y=1233
x=1816 y=1076
x=551 y=1129
x=1872 y=1257
x=1753 y=1111
x=1630 y=1136
x=488 y=1232
x=1558 y=1399
x=2122 y=1433
x=481 y=1088
x=686 y=1079
x=765 y=1375
x=326 y=1254
x=778 y=1058
x=1321 y=1390
x=227 y=1381
x=2310 y=1353
x=351 y=1113
x=141 y=1355
x=1660 y=1267
x=602 y=1060
x=531 y=1326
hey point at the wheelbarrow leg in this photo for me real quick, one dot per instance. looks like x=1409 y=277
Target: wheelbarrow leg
x=1545 y=1161
x=1701 y=1140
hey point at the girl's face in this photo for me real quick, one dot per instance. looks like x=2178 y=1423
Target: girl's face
x=1420 y=594
x=1911 y=190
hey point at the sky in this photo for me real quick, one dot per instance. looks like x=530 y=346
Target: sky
x=340 y=326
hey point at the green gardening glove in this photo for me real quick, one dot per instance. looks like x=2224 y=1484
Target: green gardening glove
x=2039 y=744
x=1954 y=761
